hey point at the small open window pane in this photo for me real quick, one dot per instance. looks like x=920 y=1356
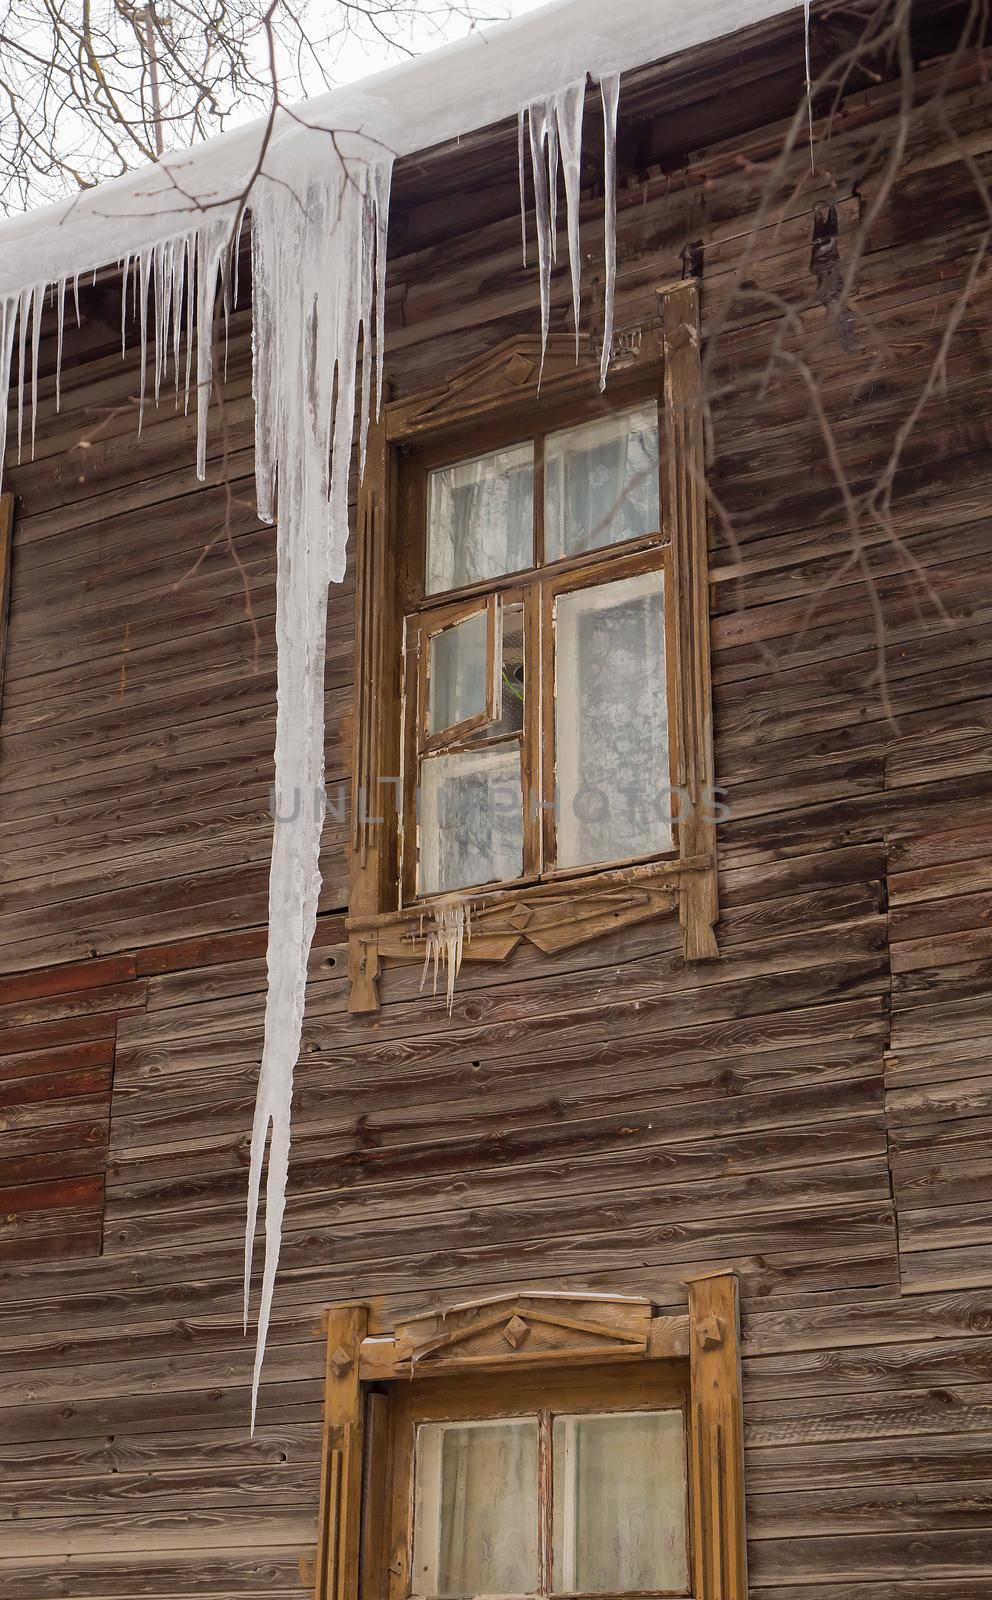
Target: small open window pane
x=480 y=518
x=458 y=672
x=619 y=1503
x=611 y=722
x=601 y=483
x=475 y=1510
x=471 y=819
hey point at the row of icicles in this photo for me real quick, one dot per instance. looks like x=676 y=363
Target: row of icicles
x=318 y=270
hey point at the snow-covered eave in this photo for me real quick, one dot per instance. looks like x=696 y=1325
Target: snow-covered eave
x=414 y=106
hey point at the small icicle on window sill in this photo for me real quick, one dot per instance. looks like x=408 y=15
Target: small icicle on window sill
x=444 y=945
x=319 y=214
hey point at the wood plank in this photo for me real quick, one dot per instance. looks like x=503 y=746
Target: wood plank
x=272 y=1571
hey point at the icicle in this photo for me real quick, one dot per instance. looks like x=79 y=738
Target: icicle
x=538 y=118
x=445 y=944
x=161 y=300
x=551 y=126
x=569 y=104
x=382 y=183
x=23 y=309
x=366 y=289
x=143 y=268
x=9 y=309
x=37 y=308
x=210 y=243
x=236 y=256
x=523 y=188
x=610 y=90
x=75 y=296
x=125 y=268
x=809 y=81
x=59 y=339
x=178 y=290
x=190 y=270
x=311 y=255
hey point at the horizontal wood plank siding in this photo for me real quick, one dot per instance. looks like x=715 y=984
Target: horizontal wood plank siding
x=813 y=1110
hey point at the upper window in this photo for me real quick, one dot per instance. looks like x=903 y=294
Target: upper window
x=535 y=685
x=533 y=754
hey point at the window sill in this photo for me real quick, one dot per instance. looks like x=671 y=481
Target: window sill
x=551 y=915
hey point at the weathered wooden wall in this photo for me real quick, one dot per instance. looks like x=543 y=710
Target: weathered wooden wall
x=814 y=1109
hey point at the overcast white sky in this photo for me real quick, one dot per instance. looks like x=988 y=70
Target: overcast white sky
x=62 y=137
x=359 y=58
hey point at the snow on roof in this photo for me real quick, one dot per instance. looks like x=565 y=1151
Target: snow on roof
x=439 y=96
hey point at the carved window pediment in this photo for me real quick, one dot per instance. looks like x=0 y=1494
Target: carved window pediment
x=522 y=1327
x=497 y=380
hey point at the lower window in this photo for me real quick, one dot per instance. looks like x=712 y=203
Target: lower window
x=575 y=1486
x=544 y=1445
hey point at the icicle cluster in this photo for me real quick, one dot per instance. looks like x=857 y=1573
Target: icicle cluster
x=19 y=313
x=174 y=281
x=319 y=222
x=445 y=944
x=555 y=129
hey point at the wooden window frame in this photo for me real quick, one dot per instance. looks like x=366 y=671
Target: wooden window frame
x=553 y=909
x=377 y=1386
x=426 y=628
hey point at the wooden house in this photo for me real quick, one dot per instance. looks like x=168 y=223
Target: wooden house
x=659 y=1260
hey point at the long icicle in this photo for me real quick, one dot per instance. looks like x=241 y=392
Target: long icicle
x=9 y=309
x=143 y=273
x=610 y=90
x=312 y=270
x=538 y=117
x=569 y=105
x=211 y=242
x=521 y=166
x=37 y=308
x=382 y=179
x=809 y=80
x=23 y=311
x=59 y=339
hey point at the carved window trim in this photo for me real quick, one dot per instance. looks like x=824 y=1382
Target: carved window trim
x=527 y=1333
x=555 y=913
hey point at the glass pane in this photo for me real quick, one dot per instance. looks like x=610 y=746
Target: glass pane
x=611 y=722
x=458 y=673
x=480 y=518
x=619 y=1503
x=601 y=483
x=475 y=1516
x=511 y=685
x=471 y=819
